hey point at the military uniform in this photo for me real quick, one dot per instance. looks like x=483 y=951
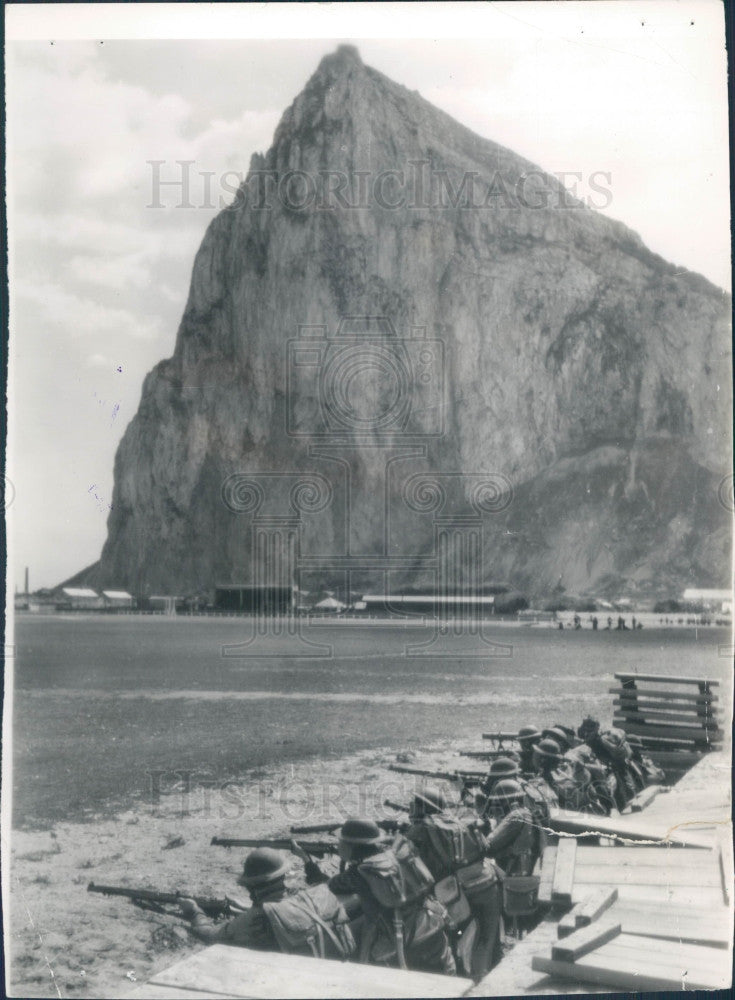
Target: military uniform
x=423 y=921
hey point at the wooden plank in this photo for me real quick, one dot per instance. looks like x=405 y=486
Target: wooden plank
x=664 y=855
x=671 y=875
x=563 y=884
x=660 y=950
x=610 y=969
x=695 y=926
x=634 y=694
x=585 y=939
x=664 y=718
x=246 y=973
x=548 y=862
x=675 y=732
x=645 y=797
x=664 y=895
x=723 y=875
x=594 y=906
x=567 y=925
x=665 y=678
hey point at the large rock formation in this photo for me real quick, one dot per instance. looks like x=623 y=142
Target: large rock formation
x=577 y=366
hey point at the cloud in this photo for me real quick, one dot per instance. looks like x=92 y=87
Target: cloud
x=80 y=316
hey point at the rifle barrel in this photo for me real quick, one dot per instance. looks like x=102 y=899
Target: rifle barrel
x=317 y=847
x=317 y=828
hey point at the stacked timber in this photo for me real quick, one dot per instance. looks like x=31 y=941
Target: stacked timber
x=675 y=717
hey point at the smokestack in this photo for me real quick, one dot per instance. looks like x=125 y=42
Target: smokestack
x=27 y=591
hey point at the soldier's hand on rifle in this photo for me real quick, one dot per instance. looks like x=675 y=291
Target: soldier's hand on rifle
x=299 y=851
x=188 y=908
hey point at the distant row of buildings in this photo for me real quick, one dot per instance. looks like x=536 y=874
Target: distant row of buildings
x=270 y=601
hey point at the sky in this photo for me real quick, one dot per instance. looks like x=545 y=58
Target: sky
x=95 y=93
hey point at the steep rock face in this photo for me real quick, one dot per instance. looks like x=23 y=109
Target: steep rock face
x=567 y=360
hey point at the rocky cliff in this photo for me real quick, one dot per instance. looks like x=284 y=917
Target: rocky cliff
x=513 y=333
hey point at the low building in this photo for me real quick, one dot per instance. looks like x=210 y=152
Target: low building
x=117 y=600
x=78 y=599
x=710 y=599
x=249 y=600
x=428 y=604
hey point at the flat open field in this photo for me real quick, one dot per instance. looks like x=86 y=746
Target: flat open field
x=106 y=708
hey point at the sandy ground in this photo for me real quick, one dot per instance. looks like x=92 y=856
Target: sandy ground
x=67 y=942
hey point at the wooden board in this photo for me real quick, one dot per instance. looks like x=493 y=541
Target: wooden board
x=669 y=875
x=664 y=678
x=664 y=718
x=594 y=906
x=247 y=974
x=645 y=797
x=675 y=732
x=709 y=925
x=563 y=881
x=585 y=940
x=638 y=963
x=652 y=854
x=634 y=694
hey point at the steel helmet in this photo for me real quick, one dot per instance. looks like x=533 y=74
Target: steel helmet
x=360 y=831
x=429 y=800
x=529 y=734
x=557 y=734
x=503 y=767
x=506 y=790
x=548 y=749
x=261 y=866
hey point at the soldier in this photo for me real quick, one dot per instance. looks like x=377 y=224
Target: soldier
x=528 y=737
x=572 y=785
x=514 y=843
x=275 y=921
x=453 y=849
x=402 y=926
x=650 y=772
x=585 y=761
x=501 y=767
x=610 y=747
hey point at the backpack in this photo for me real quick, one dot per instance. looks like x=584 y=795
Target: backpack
x=397 y=877
x=311 y=922
x=408 y=940
x=399 y=883
x=456 y=842
x=615 y=745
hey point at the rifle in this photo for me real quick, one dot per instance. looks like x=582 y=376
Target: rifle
x=395 y=805
x=466 y=777
x=316 y=847
x=389 y=825
x=148 y=899
x=486 y=754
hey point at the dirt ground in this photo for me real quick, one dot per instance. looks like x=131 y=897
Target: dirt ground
x=67 y=942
